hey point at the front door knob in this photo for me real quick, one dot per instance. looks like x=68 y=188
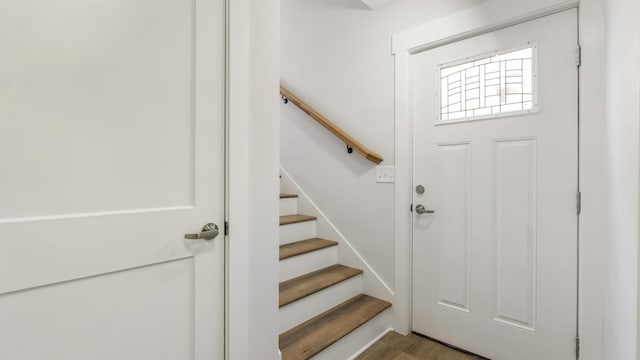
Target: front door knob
x=421 y=210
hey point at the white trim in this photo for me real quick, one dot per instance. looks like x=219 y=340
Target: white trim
x=237 y=202
x=370 y=344
x=403 y=196
x=347 y=254
x=593 y=237
x=459 y=26
x=252 y=119
x=469 y=23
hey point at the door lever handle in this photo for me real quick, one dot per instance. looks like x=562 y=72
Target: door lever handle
x=209 y=232
x=421 y=210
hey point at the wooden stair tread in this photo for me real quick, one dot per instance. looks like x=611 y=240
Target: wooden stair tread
x=311 y=283
x=309 y=338
x=304 y=246
x=287 y=196
x=293 y=219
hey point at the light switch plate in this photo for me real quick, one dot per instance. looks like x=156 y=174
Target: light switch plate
x=385 y=174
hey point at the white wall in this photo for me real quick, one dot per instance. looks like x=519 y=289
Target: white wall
x=623 y=130
x=253 y=150
x=336 y=55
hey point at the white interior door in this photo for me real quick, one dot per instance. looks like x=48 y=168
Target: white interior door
x=496 y=148
x=112 y=148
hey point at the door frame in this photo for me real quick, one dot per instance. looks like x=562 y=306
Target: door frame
x=251 y=202
x=471 y=23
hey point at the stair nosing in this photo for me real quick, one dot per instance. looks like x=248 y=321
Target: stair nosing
x=305 y=278
x=320 y=244
x=295 y=219
x=288 y=196
x=325 y=317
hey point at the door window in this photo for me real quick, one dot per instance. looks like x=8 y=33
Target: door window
x=488 y=86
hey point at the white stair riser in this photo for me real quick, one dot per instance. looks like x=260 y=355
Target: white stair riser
x=296 y=232
x=353 y=344
x=306 y=263
x=288 y=206
x=296 y=313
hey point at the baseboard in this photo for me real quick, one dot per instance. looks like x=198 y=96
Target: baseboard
x=370 y=344
x=347 y=254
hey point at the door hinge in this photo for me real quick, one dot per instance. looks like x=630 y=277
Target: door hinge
x=579 y=202
x=577 y=347
x=578 y=55
x=226 y=228
x=411 y=208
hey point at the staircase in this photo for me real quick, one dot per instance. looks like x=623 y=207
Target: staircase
x=323 y=312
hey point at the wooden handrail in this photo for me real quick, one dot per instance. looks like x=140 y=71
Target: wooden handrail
x=333 y=128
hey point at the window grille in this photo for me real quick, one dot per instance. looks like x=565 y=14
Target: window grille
x=488 y=86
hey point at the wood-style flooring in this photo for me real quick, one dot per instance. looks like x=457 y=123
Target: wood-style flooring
x=308 y=284
x=394 y=346
x=309 y=338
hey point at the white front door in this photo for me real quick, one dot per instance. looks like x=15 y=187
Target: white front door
x=495 y=146
x=112 y=148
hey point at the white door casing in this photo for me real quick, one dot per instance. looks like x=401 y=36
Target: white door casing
x=495 y=268
x=112 y=146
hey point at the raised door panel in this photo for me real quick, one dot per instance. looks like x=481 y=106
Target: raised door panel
x=452 y=231
x=97 y=103
x=146 y=313
x=514 y=232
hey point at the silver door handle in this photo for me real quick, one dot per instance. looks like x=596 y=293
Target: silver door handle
x=209 y=232
x=421 y=210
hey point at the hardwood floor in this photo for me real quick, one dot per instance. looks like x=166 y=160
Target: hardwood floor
x=394 y=346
